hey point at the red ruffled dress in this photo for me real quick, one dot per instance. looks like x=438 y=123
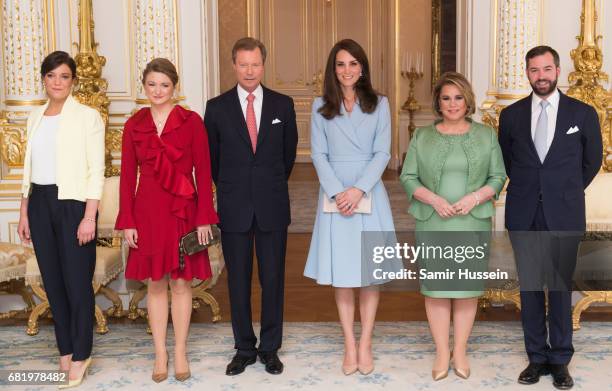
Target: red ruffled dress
x=165 y=206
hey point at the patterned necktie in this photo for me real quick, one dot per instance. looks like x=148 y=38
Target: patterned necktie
x=251 y=121
x=541 y=132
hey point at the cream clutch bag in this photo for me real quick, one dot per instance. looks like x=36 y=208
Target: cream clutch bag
x=364 y=206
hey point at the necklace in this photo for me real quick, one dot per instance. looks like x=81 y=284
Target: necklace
x=159 y=123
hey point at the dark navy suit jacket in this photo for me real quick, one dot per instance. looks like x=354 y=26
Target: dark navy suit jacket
x=572 y=162
x=252 y=184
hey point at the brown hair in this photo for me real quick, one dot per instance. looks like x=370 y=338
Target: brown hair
x=541 y=50
x=161 y=65
x=464 y=86
x=332 y=92
x=249 y=43
x=54 y=60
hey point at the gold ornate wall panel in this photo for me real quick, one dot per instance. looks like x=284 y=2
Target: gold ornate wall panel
x=156 y=29
x=517 y=32
x=517 y=28
x=27 y=35
x=232 y=26
x=25 y=44
x=299 y=35
x=585 y=80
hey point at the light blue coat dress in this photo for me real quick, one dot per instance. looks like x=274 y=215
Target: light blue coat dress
x=352 y=149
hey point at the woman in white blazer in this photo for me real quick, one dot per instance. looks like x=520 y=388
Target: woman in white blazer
x=63 y=178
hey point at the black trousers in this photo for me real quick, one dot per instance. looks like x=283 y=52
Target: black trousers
x=270 y=248
x=66 y=268
x=547 y=258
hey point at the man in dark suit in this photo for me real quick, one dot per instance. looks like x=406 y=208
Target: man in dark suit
x=552 y=150
x=253 y=140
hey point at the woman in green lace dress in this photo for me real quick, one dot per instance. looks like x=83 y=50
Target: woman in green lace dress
x=453 y=170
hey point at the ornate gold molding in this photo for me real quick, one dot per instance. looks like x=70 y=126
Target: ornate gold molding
x=34 y=102
x=584 y=81
x=436 y=30
x=91 y=87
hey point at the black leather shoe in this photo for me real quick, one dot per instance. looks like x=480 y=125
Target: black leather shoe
x=273 y=364
x=532 y=373
x=562 y=379
x=238 y=364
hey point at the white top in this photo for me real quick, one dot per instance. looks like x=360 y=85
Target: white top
x=257 y=103
x=551 y=110
x=43 y=151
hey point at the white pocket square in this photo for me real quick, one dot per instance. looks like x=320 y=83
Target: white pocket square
x=276 y=121
x=573 y=129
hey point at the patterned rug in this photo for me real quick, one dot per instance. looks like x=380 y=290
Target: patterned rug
x=312 y=353
x=304 y=196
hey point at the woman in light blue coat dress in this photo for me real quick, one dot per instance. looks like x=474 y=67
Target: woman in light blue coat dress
x=350 y=143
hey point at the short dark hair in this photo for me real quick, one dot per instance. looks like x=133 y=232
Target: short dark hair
x=161 y=65
x=248 y=43
x=54 y=60
x=540 y=50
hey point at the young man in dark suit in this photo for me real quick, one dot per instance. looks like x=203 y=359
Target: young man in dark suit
x=552 y=150
x=253 y=140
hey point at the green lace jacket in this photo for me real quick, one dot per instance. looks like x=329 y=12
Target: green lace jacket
x=426 y=157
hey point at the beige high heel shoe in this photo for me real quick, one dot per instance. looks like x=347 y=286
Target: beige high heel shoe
x=365 y=370
x=351 y=368
x=160 y=377
x=182 y=376
x=441 y=374
x=77 y=382
x=463 y=373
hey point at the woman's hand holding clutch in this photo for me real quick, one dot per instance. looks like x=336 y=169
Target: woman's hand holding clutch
x=205 y=234
x=348 y=200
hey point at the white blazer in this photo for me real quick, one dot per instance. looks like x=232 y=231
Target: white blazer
x=79 y=151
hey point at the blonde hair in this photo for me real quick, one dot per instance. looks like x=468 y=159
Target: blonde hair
x=464 y=86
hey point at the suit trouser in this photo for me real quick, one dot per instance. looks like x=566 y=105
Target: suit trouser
x=66 y=268
x=553 y=346
x=270 y=248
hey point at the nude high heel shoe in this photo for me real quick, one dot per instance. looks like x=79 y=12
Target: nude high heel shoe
x=463 y=373
x=160 y=377
x=441 y=374
x=77 y=382
x=366 y=369
x=349 y=369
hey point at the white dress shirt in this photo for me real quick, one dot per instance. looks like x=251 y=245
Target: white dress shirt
x=551 y=111
x=43 y=151
x=257 y=103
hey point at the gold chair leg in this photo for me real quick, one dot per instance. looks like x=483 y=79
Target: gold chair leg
x=26 y=295
x=497 y=295
x=102 y=327
x=134 y=311
x=199 y=293
x=39 y=310
x=589 y=298
x=116 y=310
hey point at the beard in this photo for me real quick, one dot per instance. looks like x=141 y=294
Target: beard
x=546 y=89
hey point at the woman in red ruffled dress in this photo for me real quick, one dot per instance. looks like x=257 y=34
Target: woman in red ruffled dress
x=165 y=143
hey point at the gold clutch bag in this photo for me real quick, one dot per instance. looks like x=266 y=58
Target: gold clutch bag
x=189 y=245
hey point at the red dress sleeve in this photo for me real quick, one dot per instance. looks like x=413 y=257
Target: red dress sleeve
x=205 y=213
x=127 y=184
